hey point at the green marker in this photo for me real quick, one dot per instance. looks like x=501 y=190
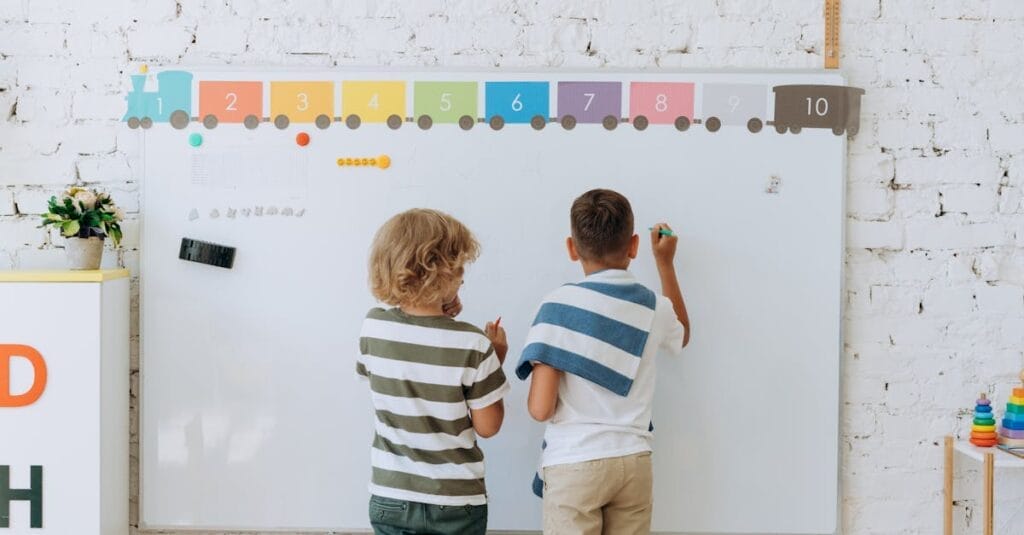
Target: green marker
x=663 y=231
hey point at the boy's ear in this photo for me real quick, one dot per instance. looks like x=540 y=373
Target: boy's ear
x=571 y=247
x=634 y=246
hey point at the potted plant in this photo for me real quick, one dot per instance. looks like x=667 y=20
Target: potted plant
x=85 y=217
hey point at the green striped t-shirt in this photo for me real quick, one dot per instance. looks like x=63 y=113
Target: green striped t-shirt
x=425 y=374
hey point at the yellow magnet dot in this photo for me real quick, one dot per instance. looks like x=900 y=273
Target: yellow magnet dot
x=384 y=161
x=143 y=69
x=364 y=161
x=348 y=161
x=341 y=161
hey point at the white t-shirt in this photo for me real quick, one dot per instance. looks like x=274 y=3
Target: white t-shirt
x=592 y=422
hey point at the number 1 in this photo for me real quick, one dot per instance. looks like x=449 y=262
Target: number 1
x=159 y=106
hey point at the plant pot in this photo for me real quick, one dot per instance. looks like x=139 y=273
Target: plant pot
x=84 y=253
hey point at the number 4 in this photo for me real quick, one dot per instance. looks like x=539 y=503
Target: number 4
x=373 y=102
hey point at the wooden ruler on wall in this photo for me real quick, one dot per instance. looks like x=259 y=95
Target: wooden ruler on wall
x=832 y=34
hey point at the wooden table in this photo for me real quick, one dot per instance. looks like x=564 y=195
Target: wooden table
x=991 y=458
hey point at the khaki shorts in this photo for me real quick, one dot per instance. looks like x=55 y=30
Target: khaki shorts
x=600 y=497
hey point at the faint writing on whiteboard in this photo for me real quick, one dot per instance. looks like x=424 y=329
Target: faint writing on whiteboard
x=259 y=211
x=251 y=172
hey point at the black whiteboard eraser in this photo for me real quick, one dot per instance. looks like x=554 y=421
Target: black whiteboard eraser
x=207 y=253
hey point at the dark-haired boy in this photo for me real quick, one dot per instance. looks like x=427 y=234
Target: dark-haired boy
x=592 y=352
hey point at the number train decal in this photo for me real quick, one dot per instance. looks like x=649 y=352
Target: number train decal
x=832 y=107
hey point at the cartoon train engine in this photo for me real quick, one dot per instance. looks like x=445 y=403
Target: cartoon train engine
x=428 y=103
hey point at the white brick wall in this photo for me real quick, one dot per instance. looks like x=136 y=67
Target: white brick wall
x=935 y=270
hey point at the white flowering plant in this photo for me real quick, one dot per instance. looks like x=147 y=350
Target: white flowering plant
x=83 y=213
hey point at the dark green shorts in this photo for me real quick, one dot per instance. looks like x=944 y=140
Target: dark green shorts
x=399 y=517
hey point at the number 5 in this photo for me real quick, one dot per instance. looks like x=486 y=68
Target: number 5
x=446 y=101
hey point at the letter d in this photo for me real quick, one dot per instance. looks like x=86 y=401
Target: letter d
x=8 y=352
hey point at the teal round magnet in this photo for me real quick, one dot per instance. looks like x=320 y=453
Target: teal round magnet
x=195 y=139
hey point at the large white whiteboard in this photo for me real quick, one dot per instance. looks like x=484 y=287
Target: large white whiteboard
x=252 y=416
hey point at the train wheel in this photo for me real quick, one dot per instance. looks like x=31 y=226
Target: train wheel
x=780 y=128
x=323 y=122
x=394 y=122
x=251 y=122
x=795 y=129
x=610 y=122
x=497 y=122
x=640 y=122
x=713 y=124
x=755 y=125
x=424 y=122
x=838 y=130
x=353 y=121
x=853 y=130
x=682 y=123
x=538 y=122
x=210 y=121
x=568 y=122
x=146 y=123
x=466 y=122
x=133 y=122
x=179 y=119
x=281 y=122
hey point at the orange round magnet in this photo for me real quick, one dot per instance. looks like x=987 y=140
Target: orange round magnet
x=302 y=139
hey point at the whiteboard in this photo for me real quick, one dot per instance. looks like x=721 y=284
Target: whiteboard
x=251 y=415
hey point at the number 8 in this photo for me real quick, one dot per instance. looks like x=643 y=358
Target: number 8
x=303 y=102
x=661 y=103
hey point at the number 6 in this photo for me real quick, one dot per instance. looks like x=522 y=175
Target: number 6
x=517 y=105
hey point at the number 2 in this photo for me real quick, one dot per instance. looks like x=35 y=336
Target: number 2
x=517 y=105
x=590 y=99
x=232 y=99
x=303 y=102
x=820 y=110
x=446 y=101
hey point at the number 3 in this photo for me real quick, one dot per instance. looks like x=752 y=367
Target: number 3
x=303 y=102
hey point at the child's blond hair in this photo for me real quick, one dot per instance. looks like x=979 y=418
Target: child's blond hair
x=417 y=257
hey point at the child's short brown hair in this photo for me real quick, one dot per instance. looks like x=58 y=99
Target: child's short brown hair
x=417 y=257
x=602 y=224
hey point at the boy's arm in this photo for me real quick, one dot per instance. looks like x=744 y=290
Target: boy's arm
x=664 y=248
x=543 y=392
x=487 y=421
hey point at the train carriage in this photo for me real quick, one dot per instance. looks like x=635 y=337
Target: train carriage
x=835 y=107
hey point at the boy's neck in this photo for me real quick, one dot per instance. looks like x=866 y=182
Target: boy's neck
x=590 y=267
x=423 y=310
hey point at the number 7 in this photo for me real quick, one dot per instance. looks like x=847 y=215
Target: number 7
x=590 y=98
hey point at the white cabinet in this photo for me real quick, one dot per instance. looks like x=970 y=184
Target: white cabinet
x=64 y=380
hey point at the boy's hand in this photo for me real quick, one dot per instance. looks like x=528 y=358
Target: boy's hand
x=496 y=334
x=664 y=247
x=452 y=308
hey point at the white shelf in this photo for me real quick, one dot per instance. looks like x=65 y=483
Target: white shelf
x=1001 y=459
